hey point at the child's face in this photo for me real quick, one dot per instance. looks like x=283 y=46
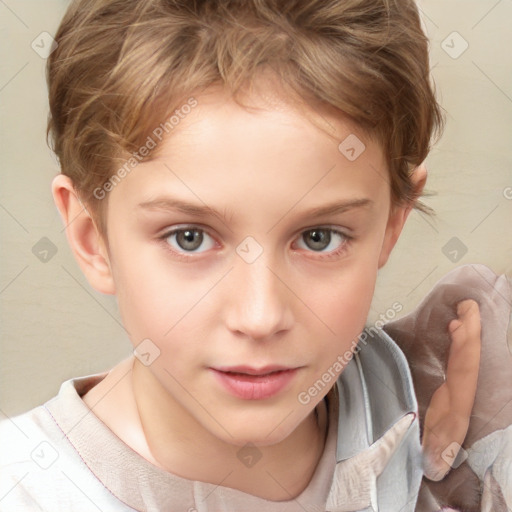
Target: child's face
x=253 y=291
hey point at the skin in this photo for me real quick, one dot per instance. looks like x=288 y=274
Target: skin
x=296 y=305
x=449 y=411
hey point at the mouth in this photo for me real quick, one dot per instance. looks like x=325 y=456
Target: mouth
x=250 y=383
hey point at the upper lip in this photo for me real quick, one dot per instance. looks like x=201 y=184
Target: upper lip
x=249 y=370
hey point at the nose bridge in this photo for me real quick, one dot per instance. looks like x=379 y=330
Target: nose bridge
x=259 y=301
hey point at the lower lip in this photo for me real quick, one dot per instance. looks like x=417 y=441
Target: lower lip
x=255 y=387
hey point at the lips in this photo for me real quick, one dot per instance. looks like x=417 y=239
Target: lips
x=250 y=383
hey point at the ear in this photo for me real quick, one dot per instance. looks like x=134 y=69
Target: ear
x=398 y=215
x=83 y=236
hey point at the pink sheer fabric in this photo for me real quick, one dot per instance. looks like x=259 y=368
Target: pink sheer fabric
x=423 y=337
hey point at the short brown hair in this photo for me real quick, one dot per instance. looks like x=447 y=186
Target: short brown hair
x=123 y=66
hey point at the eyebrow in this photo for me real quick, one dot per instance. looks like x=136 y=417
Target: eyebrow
x=173 y=204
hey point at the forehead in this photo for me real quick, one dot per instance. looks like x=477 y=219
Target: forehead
x=267 y=115
x=278 y=153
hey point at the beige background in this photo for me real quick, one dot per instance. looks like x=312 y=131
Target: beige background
x=54 y=326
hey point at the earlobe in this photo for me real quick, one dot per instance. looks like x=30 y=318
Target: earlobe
x=84 y=239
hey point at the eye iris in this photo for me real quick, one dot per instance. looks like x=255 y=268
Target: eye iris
x=320 y=237
x=188 y=236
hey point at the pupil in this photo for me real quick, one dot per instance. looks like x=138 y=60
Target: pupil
x=320 y=237
x=188 y=239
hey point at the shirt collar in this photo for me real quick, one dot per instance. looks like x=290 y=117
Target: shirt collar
x=375 y=390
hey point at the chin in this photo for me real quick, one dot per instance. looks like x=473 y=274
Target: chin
x=259 y=429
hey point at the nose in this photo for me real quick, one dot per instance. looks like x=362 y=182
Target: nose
x=258 y=301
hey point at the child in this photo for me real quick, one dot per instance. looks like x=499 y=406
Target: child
x=235 y=172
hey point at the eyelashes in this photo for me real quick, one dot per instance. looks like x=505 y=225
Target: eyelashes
x=190 y=236
x=187 y=241
x=323 y=235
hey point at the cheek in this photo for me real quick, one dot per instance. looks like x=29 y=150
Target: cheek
x=343 y=304
x=155 y=300
x=344 y=296
x=165 y=302
x=352 y=297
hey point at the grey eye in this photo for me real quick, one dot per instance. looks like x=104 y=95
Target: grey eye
x=317 y=239
x=320 y=239
x=188 y=239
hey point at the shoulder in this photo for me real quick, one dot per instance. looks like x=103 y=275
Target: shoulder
x=18 y=435
x=29 y=447
x=39 y=467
